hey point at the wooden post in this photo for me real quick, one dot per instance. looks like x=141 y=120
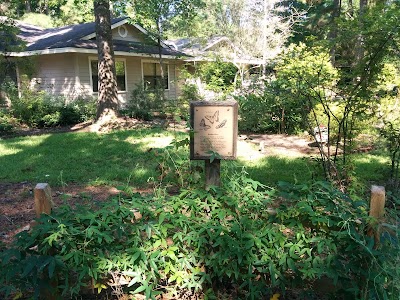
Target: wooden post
x=213 y=172
x=377 y=211
x=43 y=201
x=43 y=205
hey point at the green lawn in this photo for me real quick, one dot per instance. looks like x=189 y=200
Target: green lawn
x=118 y=157
x=85 y=158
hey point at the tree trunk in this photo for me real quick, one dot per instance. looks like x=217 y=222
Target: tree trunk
x=162 y=73
x=333 y=30
x=107 y=103
x=28 y=6
x=359 y=54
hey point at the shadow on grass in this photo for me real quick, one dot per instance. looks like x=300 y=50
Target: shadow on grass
x=126 y=156
x=272 y=169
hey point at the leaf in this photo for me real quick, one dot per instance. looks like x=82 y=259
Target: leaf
x=52 y=266
x=291 y=264
x=133 y=281
x=161 y=218
x=148 y=231
x=140 y=289
x=275 y=297
x=100 y=287
x=292 y=252
x=157 y=244
x=135 y=256
x=154 y=255
x=28 y=268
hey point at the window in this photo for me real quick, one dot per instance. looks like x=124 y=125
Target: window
x=120 y=70
x=152 y=75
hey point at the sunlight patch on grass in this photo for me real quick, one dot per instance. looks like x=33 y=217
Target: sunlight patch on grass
x=269 y=170
x=14 y=146
x=156 y=141
x=248 y=152
x=369 y=158
x=8 y=150
x=371 y=168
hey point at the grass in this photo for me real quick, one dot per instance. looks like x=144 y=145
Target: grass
x=122 y=156
x=85 y=158
x=270 y=170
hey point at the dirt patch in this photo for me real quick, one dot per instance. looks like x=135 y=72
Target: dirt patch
x=255 y=146
x=17 y=209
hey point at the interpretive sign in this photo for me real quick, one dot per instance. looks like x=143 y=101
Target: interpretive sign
x=215 y=129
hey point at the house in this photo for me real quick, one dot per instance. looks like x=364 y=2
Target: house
x=65 y=59
x=220 y=47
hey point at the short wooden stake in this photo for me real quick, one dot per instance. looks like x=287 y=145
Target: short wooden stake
x=43 y=201
x=377 y=211
x=213 y=172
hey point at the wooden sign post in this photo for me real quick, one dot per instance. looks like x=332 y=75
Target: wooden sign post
x=43 y=201
x=215 y=135
x=377 y=212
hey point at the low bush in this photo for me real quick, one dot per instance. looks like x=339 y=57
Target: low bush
x=144 y=103
x=39 y=109
x=268 y=111
x=219 y=76
x=243 y=239
x=7 y=122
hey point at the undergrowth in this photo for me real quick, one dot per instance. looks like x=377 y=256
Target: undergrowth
x=243 y=240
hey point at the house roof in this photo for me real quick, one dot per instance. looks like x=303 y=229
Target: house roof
x=81 y=38
x=200 y=50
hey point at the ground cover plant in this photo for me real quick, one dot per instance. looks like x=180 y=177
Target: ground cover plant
x=243 y=240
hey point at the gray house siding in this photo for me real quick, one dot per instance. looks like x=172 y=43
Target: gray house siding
x=69 y=75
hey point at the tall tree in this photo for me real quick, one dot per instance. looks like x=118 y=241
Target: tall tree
x=158 y=16
x=258 y=28
x=107 y=103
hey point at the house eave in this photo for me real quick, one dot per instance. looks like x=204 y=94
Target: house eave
x=120 y=23
x=113 y=26
x=235 y=61
x=80 y=50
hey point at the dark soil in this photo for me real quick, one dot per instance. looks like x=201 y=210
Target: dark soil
x=17 y=203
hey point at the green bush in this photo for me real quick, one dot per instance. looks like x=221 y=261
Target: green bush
x=218 y=75
x=7 y=122
x=39 y=109
x=208 y=242
x=144 y=103
x=268 y=111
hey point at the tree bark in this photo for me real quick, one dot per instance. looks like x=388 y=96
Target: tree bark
x=28 y=6
x=359 y=54
x=337 y=5
x=107 y=103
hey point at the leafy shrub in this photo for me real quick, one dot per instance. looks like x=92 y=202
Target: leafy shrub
x=269 y=111
x=79 y=110
x=208 y=241
x=7 y=122
x=190 y=92
x=218 y=75
x=30 y=107
x=39 y=109
x=391 y=133
x=143 y=103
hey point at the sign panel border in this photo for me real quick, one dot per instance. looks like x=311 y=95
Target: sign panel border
x=224 y=104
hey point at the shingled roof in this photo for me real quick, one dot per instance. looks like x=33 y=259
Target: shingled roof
x=73 y=38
